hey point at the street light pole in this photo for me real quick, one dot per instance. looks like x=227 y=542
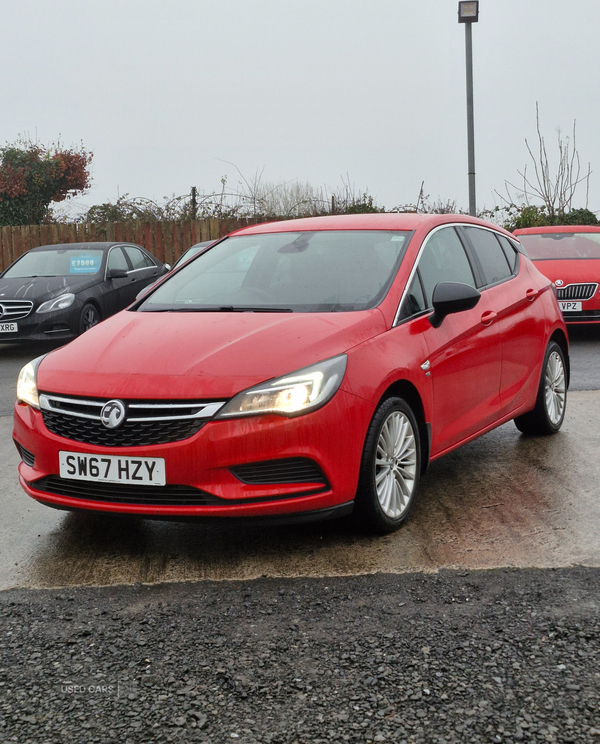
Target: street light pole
x=468 y=13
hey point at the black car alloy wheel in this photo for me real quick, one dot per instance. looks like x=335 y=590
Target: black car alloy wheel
x=89 y=317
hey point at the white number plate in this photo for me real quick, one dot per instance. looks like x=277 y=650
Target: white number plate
x=146 y=471
x=569 y=306
x=8 y=328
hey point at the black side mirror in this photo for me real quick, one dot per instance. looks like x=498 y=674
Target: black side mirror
x=452 y=297
x=117 y=274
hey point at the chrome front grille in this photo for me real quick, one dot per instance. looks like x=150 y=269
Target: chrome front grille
x=14 y=309
x=576 y=291
x=146 y=422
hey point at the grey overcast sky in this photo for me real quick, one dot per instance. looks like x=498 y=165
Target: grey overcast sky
x=164 y=92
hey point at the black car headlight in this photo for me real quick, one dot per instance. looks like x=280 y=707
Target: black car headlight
x=292 y=395
x=62 y=302
x=27 y=391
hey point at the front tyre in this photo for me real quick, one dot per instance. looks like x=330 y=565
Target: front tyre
x=551 y=402
x=89 y=317
x=390 y=468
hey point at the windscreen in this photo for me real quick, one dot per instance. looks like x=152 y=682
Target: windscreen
x=317 y=271
x=65 y=262
x=555 y=246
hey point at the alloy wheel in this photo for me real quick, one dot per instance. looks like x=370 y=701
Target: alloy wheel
x=90 y=318
x=395 y=464
x=555 y=388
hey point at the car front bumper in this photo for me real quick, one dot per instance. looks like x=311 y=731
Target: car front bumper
x=586 y=315
x=54 y=326
x=202 y=472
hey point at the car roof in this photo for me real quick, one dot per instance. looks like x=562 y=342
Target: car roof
x=378 y=221
x=557 y=229
x=202 y=244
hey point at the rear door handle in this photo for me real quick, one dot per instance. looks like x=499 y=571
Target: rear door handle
x=488 y=317
x=531 y=294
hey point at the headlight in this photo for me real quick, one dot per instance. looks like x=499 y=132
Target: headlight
x=293 y=395
x=27 y=391
x=58 y=303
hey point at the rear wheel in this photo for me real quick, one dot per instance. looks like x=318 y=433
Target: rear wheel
x=390 y=468
x=549 y=412
x=89 y=317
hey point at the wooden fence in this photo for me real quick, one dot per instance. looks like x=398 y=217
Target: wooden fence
x=166 y=240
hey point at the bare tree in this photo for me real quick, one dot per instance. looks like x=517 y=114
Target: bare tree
x=424 y=205
x=554 y=191
x=257 y=197
x=250 y=197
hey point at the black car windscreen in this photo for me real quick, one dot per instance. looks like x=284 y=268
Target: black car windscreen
x=66 y=262
x=317 y=271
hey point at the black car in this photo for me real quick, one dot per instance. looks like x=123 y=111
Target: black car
x=192 y=251
x=56 y=292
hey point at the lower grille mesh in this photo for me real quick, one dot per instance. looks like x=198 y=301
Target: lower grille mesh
x=27 y=456
x=589 y=316
x=122 y=493
x=287 y=470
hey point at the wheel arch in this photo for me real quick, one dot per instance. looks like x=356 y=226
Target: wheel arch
x=559 y=337
x=406 y=390
x=92 y=301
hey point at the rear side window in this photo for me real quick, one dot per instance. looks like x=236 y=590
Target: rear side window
x=511 y=253
x=488 y=251
x=444 y=260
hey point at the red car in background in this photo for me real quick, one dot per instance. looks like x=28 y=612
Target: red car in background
x=569 y=256
x=297 y=371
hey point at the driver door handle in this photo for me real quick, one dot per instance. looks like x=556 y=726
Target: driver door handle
x=488 y=317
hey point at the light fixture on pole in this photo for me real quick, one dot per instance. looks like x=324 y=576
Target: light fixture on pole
x=468 y=13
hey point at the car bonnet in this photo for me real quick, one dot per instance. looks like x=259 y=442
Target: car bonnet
x=198 y=355
x=42 y=288
x=570 y=271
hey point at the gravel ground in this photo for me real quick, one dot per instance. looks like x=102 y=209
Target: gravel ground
x=495 y=656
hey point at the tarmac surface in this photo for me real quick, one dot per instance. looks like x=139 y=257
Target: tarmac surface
x=503 y=500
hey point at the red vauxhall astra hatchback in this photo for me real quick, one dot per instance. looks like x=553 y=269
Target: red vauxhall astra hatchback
x=297 y=371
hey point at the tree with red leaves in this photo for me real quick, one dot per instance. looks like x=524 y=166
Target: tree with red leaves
x=33 y=176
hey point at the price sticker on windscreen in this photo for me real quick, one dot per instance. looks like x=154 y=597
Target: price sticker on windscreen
x=85 y=264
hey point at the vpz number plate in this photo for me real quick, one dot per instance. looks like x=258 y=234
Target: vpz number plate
x=570 y=306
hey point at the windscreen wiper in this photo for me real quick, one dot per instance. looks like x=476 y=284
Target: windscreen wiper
x=223 y=309
x=238 y=309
